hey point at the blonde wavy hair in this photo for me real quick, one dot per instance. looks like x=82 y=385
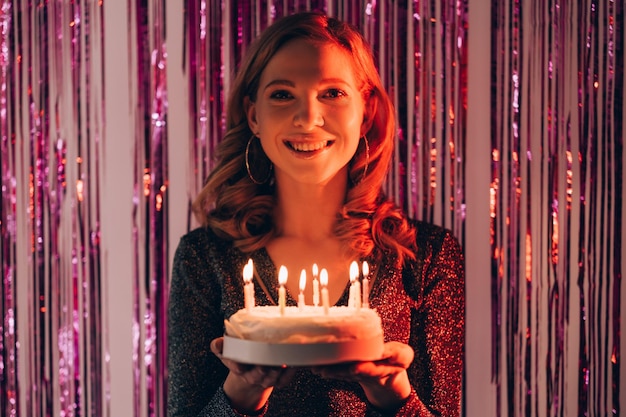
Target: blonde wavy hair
x=240 y=210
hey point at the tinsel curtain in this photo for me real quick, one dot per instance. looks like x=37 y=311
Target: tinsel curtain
x=51 y=125
x=557 y=112
x=555 y=185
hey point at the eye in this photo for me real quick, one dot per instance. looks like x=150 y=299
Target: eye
x=335 y=93
x=280 y=95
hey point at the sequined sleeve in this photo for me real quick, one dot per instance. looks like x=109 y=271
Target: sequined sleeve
x=438 y=323
x=194 y=319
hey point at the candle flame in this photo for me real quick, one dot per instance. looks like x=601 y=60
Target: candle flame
x=324 y=277
x=315 y=270
x=354 y=271
x=302 y=280
x=282 y=275
x=366 y=269
x=248 y=271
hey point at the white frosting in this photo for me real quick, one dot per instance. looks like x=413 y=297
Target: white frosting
x=309 y=325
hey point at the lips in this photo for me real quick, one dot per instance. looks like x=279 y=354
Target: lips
x=309 y=146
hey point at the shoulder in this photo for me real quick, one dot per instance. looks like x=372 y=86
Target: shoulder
x=431 y=237
x=438 y=260
x=436 y=247
x=201 y=240
x=199 y=263
x=201 y=249
x=427 y=230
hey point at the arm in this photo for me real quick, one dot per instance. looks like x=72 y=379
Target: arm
x=421 y=378
x=194 y=319
x=438 y=325
x=435 y=281
x=202 y=382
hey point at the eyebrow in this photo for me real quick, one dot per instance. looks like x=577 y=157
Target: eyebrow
x=285 y=83
x=288 y=83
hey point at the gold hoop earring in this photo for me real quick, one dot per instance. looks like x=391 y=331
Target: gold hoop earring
x=247 y=158
x=367 y=157
x=367 y=160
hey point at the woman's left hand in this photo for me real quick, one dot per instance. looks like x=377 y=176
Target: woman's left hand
x=385 y=381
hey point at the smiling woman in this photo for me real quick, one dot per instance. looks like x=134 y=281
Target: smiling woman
x=298 y=182
x=308 y=113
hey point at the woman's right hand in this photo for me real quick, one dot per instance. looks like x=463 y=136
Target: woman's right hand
x=248 y=387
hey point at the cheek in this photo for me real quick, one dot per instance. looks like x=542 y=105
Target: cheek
x=270 y=118
x=353 y=122
x=268 y=142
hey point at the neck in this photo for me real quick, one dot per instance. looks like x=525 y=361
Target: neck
x=309 y=211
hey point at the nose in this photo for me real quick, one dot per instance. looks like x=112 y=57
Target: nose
x=308 y=114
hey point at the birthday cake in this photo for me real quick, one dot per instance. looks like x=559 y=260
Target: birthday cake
x=307 y=335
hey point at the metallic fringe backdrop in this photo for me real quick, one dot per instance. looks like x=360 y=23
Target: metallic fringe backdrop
x=150 y=206
x=556 y=184
x=51 y=123
x=557 y=99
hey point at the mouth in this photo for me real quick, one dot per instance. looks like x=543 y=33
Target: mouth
x=309 y=147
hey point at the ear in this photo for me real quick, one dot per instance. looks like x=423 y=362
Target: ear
x=250 y=109
x=368 y=115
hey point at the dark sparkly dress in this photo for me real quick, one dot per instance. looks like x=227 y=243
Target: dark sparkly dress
x=421 y=305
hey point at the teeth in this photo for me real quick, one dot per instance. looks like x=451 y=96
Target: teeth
x=308 y=146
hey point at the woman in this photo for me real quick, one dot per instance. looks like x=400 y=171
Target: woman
x=310 y=132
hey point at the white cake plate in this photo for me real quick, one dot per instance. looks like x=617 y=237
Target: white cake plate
x=300 y=354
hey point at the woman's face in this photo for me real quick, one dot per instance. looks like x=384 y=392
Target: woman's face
x=309 y=112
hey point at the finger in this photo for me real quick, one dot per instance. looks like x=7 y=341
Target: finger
x=397 y=354
x=371 y=370
x=264 y=376
x=397 y=357
x=285 y=377
x=217 y=346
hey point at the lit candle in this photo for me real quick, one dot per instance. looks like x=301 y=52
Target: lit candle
x=302 y=286
x=366 y=285
x=316 y=287
x=354 y=299
x=282 y=295
x=248 y=288
x=324 y=283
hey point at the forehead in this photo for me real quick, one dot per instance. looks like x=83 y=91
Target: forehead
x=305 y=60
